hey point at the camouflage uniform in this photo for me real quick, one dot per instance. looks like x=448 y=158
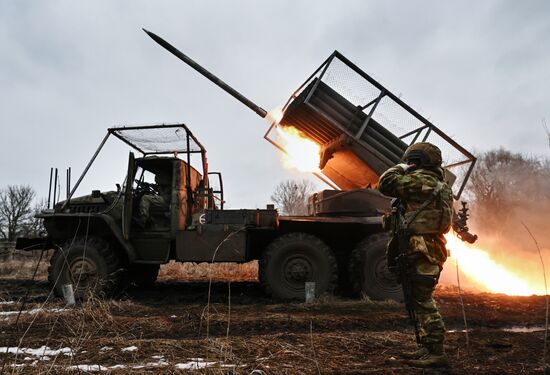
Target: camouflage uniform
x=149 y=202
x=154 y=202
x=427 y=245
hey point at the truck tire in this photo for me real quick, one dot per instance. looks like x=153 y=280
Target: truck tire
x=91 y=265
x=369 y=272
x=291 y=260
x=143 y=275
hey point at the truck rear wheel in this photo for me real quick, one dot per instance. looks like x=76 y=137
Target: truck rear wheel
x=293 y=259
x=369 y=272
x=90 y=265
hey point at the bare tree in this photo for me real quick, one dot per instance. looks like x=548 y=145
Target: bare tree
x=290 y=196
x=15 y=210
x=32 y=226
x=503 y=179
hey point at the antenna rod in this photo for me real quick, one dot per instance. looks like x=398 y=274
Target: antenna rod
x=67 y=183
x=193 y=64
x=55 y=188
x=50 y=187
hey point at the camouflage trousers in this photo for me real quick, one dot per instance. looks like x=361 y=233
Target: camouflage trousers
x=151 y=202
x=432 y=329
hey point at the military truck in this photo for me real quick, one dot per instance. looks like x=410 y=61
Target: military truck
x=101 y=245
x=106 y=239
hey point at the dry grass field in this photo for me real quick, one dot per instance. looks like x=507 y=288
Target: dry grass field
x=185 y=325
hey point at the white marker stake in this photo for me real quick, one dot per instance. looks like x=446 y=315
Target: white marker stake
x=68 y=294
x=310 y=291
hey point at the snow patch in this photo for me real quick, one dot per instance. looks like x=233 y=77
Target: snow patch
x=33 y=311
x=105 y=349
x=88 y=368
x=194 y=364
x=129 y=349
x=157 y=364
x=17 y=365
x=44 y=352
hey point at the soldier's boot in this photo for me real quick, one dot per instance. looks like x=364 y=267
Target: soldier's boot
x=435 y=357
x=415 y=354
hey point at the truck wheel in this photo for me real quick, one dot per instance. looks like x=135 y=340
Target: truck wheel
x=143 y=275
x=90 y=265
x=291 y=260
x=369 y=272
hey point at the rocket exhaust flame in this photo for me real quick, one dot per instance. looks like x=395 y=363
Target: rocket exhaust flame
x=299 y=152
x=478 y=266
x=275 y=115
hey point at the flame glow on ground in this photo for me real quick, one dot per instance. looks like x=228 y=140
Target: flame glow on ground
x=476 y=264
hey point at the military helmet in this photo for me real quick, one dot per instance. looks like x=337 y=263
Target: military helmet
x=423 y=154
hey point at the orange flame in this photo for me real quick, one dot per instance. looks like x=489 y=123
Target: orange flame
x=478 y=266
x=301 y=152
x=276 y=115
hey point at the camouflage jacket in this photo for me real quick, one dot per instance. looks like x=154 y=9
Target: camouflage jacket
x=414 y=188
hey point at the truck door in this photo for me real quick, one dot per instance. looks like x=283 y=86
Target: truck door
x=128 y=201
x=151 y=233
x=215 y=191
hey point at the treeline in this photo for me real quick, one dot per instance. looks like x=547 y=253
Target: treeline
x=17 y=209
x=501 y=182
x=510 y=191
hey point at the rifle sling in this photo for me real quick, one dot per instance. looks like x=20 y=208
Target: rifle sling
x=430 y=199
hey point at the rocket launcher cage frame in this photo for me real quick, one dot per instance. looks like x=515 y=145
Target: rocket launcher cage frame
x=362 y=127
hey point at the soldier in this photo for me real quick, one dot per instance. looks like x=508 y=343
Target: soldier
x=159 y=200
x=425 y=206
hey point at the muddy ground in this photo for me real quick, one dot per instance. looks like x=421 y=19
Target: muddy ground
x=171 y=328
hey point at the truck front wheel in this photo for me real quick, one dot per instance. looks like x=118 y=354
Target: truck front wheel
x=90 y=265
x=293 y=259
x=369 y=272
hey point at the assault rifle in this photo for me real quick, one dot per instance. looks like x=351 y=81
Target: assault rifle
x=404 y=274
x=402 y=264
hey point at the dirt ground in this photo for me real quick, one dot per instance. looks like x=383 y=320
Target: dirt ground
x=172 y=328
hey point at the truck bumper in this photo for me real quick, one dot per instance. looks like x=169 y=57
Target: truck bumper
x=37 y=243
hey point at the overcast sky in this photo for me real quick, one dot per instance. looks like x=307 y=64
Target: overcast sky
x=69 y=70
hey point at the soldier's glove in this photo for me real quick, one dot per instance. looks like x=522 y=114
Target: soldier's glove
x=404 y=166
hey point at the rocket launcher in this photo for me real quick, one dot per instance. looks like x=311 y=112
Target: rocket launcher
x=361 y=126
